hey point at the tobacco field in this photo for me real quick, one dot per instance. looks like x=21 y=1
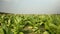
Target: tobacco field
x=29 y=24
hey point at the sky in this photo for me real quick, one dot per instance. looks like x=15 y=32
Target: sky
x=30 y=6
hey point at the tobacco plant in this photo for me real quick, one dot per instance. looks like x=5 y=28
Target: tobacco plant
x=29 y=24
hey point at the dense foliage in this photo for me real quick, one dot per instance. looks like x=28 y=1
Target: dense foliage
x=29 y=24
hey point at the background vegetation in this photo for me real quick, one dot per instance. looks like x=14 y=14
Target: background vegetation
x=29 y=24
